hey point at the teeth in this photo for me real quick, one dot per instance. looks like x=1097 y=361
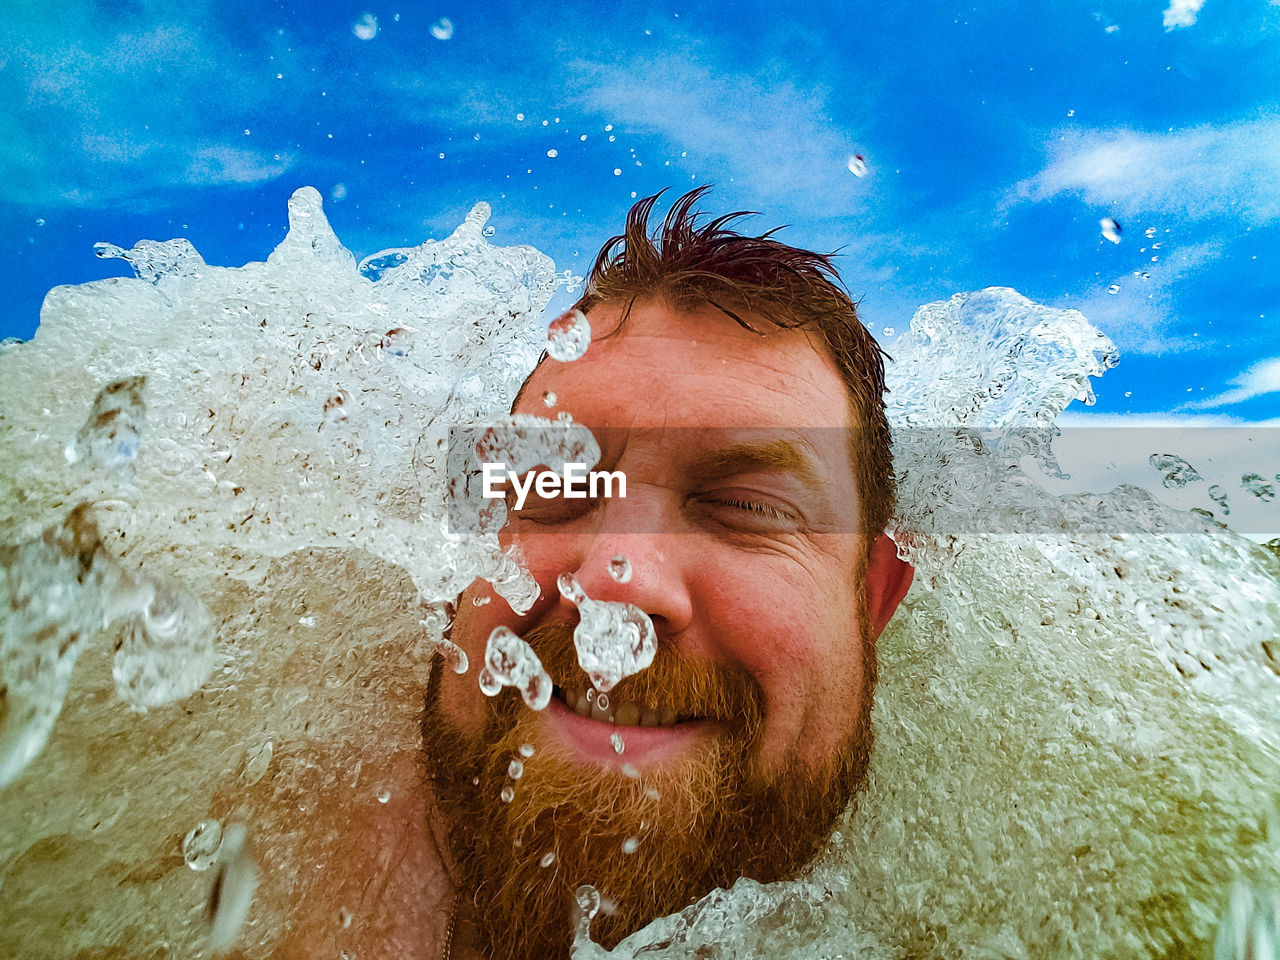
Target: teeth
x=600 y=709
x=626 y=714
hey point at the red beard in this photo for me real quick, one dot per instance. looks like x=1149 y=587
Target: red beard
x=650 y=845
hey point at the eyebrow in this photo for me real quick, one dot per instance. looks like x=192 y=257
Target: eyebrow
x=769 y=455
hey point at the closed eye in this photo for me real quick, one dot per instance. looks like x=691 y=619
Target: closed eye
x=755 y=506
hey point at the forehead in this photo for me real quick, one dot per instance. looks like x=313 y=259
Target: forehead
x=671 y=367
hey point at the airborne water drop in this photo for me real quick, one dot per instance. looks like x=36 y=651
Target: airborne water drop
x=568 y=336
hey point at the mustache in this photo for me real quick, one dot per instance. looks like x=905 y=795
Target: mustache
x=691 y=686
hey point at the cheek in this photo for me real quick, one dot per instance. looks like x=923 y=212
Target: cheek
x=545 y=557
x=800 y=643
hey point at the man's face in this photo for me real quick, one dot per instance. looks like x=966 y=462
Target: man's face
x=739 y=529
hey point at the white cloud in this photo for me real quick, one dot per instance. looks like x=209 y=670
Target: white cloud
x=1260 y=379
x=1143 y=317
x=1232 y=169
x=1073 y=417
x=1181 y=13
x=220 y=163
x=112 y=106
x=774 y=139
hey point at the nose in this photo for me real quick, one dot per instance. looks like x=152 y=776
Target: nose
x=626 y=560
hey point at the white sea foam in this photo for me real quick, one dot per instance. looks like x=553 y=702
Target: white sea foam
x=1076 y=720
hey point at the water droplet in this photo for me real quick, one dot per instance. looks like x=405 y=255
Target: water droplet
x=454 y=655
x=549 y=398
x=617 y=171
x=200 y=846
x=547 y=859
x=40 y=221
x=1219 y=496
x=608 y=127
x=335 y=407
x=526 y=750
x=508 y=794
x=620 y=569
x=475 y=781
x=397 y=342
x=509 y=661
x=384 y=795
x=257 y=760
x=583 y=138
x=366 y=28
x=489 y=231
x=1128 y=393
x=344 y=917
x=564 y=416
x=112 y=433
x=570 y=589
x=591 y=695
x=520 y=116
x=616 y=739
x=553 y=153
x=629 y=770
x=490 y=685
x=1111 y=229
x=279 y=76
x=232 y=890
x=890 y=331
x=307 y=621
x=479 y=601
x=1071 y=113
x=515 y=770
x=858 y=165
x=442 y=29
x=1149 y=232
x=1257 y=485
x=1175 y=472
x=568 y=336
x=1113 y=289
x=588 y=899
x=652 y=793
x=629 y=845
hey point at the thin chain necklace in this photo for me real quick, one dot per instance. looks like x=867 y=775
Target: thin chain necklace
x=447 y=953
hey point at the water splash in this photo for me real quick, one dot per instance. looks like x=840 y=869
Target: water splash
x=620 y=569
x=1174 y=471
x=510 y=662
x=233 y=888
x=1076 y=725
x=63 y=590
x=200 y=846
x=568 y=336
x=613 y=640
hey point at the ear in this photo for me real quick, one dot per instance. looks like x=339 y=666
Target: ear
x=888 y=580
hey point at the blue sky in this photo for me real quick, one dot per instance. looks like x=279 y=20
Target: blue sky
x=996 y=137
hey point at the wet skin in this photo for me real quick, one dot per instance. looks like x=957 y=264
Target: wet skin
x=744 y=561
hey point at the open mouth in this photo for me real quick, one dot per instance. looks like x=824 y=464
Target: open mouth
x=590 y=703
